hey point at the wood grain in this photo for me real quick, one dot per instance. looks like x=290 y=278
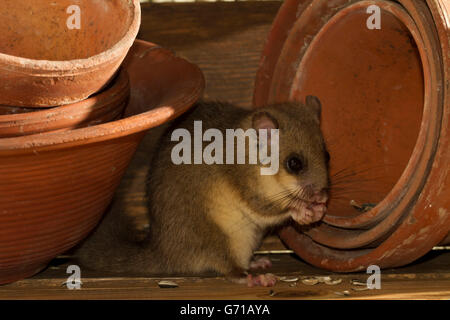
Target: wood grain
x=224 y=39
x=427 y=279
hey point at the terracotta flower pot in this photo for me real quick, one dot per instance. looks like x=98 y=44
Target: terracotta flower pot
x=45 y=60
x=385 y=118
x=7 y=110
x=54 y=187
x=102 y=107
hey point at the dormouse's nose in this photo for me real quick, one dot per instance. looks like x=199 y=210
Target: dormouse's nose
x=319 y=195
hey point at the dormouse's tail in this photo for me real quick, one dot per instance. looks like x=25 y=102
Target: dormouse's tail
x=113 y=245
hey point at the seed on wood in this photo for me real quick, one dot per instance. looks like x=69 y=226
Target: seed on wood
x=360 y=289
x=323 y=279
x=310 y=281
x=356 y=282
x=286 y=279
x=343 y=293
x=167 y=284
x=333 y=282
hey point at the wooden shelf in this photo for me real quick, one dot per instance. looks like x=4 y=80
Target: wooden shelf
x=429 y=278
x=225 y=40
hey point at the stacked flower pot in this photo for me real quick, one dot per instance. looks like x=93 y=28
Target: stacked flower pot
x=76 y=98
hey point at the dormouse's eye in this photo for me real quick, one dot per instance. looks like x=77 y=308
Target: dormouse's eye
x=294 y=164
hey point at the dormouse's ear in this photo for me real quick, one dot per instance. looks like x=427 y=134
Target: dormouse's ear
x=314 y=103
x=264 y=120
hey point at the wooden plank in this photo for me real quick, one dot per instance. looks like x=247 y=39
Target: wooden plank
x=214 y=289
x=428 y=279
x=224 y=39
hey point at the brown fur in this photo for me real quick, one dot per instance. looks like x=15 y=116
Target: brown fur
x=211 y=217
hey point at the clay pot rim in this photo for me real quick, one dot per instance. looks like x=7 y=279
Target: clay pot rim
x=375 y=215
x=263 y=85
x=399 y=248
x=75 y=66
x=395 y=196
x=394 y=206
x=106 y=101
x=111 y=130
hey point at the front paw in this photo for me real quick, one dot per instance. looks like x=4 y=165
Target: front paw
x=242 y=277
x=310 y=214
x=263 y=280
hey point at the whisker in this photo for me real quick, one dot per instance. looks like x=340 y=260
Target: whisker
x=355 y=171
